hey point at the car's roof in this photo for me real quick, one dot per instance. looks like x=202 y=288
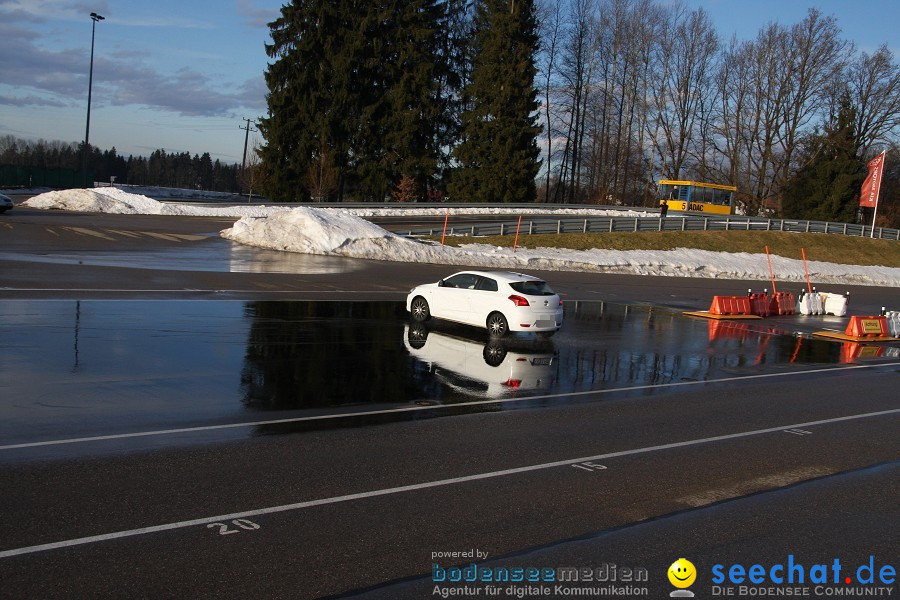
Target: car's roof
x=503 y=275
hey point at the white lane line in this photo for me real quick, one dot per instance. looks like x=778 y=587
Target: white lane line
x=407 y=409
x=182 y=290
x=422 y=486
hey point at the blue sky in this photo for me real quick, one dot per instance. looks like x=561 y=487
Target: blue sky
x=182 y=75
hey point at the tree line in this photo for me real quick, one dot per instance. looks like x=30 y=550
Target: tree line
x=415 y=99
x=593 y=100
x=161 y=168
x=635 y=91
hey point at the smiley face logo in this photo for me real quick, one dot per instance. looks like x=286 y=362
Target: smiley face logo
x=682 y=573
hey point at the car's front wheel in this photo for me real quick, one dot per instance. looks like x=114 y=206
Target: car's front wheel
x=419 y=309
x=497 y=325
x=418 y=335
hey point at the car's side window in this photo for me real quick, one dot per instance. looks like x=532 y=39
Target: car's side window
x=464 y=281
x=486 y=284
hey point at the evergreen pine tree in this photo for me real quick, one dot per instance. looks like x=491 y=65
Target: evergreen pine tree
x=352 y=97
x=309 y=97
x=414 y=76
x=826 y=187
x=498 y=154
x=452 y=70
x=398 y=95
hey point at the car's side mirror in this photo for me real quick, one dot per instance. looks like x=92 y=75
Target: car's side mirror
x=441 y=283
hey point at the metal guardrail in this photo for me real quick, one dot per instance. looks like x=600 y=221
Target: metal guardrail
x=672 y=223
x=591 y=224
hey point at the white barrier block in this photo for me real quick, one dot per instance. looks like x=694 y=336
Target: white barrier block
x=809 y=303
x=893 y=322
x=805 y=304
x=834 y=304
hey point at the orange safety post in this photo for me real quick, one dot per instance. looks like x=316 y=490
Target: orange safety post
x=771 y=272
x=806 y=270
x=446 y=218
x=796 y=350
x=762 y=349
x=867 y=327
x=518 y=226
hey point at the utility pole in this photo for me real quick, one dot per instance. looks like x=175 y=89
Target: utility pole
x=247 y=131
x=87 y=128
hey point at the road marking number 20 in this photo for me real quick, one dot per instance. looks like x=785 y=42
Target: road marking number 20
x=244 y=524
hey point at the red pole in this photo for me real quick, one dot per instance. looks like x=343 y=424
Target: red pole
x=516 y=242
x=771 y=272
x=806 y=270
x=446 y=218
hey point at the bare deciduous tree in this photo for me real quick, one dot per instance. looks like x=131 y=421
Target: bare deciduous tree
x=873 y=82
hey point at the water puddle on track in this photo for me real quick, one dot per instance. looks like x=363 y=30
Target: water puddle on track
x=82 y=368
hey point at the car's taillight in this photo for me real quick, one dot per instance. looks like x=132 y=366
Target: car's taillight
x=519 y=300
x=513 y=383
x=560 y=301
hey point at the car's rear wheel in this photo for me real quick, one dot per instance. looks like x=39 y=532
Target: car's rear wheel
x=419 y=309
x=497 y=325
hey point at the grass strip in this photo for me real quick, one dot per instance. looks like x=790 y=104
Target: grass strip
x=840 y=249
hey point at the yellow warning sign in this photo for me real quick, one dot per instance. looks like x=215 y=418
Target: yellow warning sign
x=872 y=326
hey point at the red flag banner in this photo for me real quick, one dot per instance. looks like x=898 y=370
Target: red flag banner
x=872 y=185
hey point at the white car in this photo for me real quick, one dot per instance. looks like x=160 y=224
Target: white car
x=6 y=203
x=497 y=300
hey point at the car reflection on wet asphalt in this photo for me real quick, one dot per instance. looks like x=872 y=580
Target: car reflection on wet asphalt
x=97 y=368
x=482 y=367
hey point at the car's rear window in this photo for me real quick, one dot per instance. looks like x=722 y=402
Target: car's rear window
x=532 y=288
x=486 y=284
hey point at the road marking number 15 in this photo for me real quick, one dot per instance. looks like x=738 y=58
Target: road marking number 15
x=243 y=524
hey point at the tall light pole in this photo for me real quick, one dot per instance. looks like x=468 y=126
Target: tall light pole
x=87 y=130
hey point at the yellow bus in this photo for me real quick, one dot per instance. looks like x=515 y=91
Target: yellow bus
x=693 y=196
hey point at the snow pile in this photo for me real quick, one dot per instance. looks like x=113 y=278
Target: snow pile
x=120 y=201
x=338 y=232
x=111 y=200
x=318 y=231
x=116 y=201
x=686 y=262
x=175 y=193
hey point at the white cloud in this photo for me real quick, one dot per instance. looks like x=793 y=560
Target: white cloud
x=254 y=15
x=42 y=10
x=44 y=77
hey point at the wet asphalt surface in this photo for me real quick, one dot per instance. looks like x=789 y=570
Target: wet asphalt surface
x=183 y=418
